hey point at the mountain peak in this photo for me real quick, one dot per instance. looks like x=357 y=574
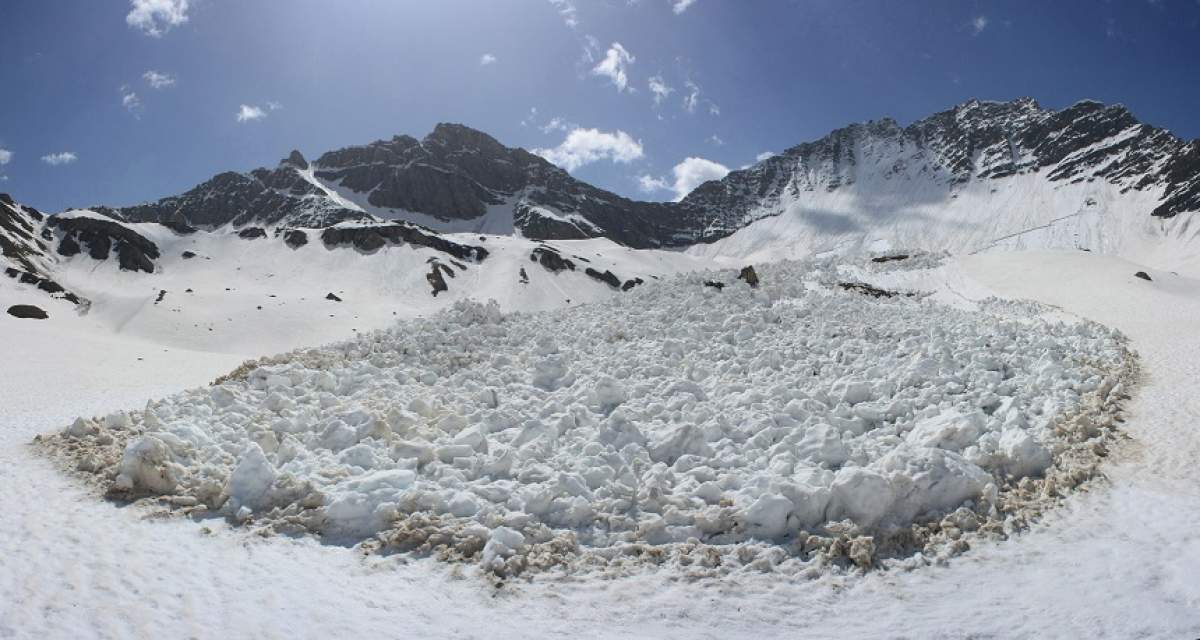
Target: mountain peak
x=296 y=159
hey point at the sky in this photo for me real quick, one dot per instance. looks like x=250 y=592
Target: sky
x=122 y=101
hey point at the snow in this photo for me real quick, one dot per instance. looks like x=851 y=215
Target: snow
x=804 y=405
x=71 y=561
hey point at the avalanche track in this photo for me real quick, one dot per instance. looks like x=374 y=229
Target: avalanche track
x=1117 y=562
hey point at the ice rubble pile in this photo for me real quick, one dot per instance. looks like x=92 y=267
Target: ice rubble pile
x=674 y=412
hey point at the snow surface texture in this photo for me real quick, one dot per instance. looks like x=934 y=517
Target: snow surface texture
x=795 y=427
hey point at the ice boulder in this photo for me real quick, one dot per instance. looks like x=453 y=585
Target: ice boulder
x=502 y=543
x=951 y=430
x=250 y=483
x=929 y=480
x=767 y=517
x=1022 y=454
x=863 y=495
x=146 y=467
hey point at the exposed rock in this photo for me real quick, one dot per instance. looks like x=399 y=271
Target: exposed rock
x=295 y=238
x=524 y=276
x=331 y=296
x=608 y=277
x=551 y=259
x=373 y=237
x=250 y=233
x=715 y=285
x=1143 y=275
x=868 y=290
x=629 y=284
x=435 y=278
x=891 y=258
x=749 y=276
x=188 y=255
x=27 y=311
x=134 y=252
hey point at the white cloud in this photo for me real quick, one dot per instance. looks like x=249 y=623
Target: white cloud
x=158 y=80
x=249 y=113
x=555 y=124
x=764 y=155
x=978 y=24
x=693 y=99
x=568 y=12
x=156 y=17
x=63 y=157
x=528 y=120
x=131 y=101
x=613 y=66
x=689 y=174
x=5 y=156
x=274 y=106
x=679 y=6
x=659 y=88
x=486 y=59
x=650 y=184
x=585 y=146
x=716 y=139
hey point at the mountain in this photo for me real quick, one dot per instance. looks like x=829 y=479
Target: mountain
x=980 y=175
x=873 y=184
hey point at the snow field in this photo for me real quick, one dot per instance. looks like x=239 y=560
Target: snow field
x=795 y=427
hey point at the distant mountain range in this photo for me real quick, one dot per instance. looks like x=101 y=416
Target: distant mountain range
x=979 y=176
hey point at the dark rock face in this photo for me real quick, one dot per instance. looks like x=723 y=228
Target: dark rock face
x=134 y=252
x=187 y=255
x=371 y=238
x=607 y=277
x=295 y=238
x=456 y=173
x=250 y=233
x=629 y=284
x=24 y=251
x=331 y=296
x=27 y=311
x=1143 y=275
x=550 y=259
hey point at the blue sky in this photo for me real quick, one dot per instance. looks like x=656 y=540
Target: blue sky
x=117 y=102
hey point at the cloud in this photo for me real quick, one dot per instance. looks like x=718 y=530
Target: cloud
x=556 y=124
x=679 y=6
x=528 y=120
x=764 y=155
x=486 y=59
x=131 y=101
x=693 y=99
x=63 y=157
x=716 y=139
x=978 y=24
x=650 y=184
x=689 y=174
x=5 y=156
x=156 y=17
x=585 y=146
x=659 y=88
x=158 y=80
x=613 y=66
x=250 y=113
x=568 y=12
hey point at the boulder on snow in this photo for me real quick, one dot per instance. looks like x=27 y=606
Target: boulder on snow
x=27 y=311
x=295 y=238
x=898 y=256
x=607 y=277
x=550 y=259
x=331 y=296
x=188 y=255
x=1143 y=275
x=749 y=275
x=250 y=233
x=715 y=285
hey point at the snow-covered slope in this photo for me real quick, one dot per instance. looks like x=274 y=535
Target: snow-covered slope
x=982 y=176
